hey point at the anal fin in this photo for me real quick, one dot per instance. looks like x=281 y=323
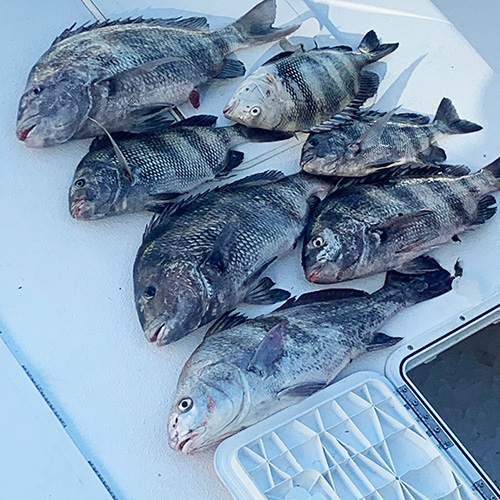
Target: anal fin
x=433 y=154
x=233 y=159
x=486 y=209
x=232 y=69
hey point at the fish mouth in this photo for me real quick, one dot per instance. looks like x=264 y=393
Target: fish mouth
x=80 y=208
x=229 y=109
x=155 y=333
x=23 y=133
x=314 y=275
x=184 y=444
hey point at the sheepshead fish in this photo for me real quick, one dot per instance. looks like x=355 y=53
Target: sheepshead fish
x=366 y=229
x=204 y=257
x=126 y=74
x=246 y=370
x=297 y=90
x=373 y=140
x=148 y=170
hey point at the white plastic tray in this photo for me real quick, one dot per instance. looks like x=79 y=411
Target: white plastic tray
x=354 y=440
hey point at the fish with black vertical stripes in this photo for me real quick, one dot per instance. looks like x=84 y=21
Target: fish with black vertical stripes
x=146 y=171
x=366 y=229
x=371 y=141
x=297 y=90
x=247 y=369
x=127 y=74
x=202 y=257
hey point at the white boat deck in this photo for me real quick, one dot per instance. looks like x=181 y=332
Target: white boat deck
x=66 y=293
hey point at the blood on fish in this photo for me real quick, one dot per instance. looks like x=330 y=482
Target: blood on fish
x=194 y=98
x=210 y=405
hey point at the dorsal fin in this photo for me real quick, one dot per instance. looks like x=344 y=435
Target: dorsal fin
x=279 y=56
x=323 y=296
x=197 y=121
x=189 y=23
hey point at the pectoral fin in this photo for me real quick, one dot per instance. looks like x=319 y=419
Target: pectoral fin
x=269 y=351
x=381 y=341
x=301 y=390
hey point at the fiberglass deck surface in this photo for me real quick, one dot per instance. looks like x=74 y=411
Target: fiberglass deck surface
x=66 y=301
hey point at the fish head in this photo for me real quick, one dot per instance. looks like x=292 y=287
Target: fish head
x=331 y=256
x=258 y=103
x=96 y=186
x=324 y=152
x=170 y=296
x=52 y=109
x=209 y=400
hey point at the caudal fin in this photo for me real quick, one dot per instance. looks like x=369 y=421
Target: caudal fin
x=423 y=279
x=255 y=27
x=447 y=115
x=371 y=46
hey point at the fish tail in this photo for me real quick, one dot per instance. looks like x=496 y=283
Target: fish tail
x=493 y=170
x=255 y=27
x=448 y=116
x=247 y=134
x=371 y=47
x=422 y=279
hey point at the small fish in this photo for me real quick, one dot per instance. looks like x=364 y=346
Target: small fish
x=371 y=141
x=157 y=167
x=366 y=229
x=127 y=74
x=202 y=258
x=248 y=369
x=297 y=90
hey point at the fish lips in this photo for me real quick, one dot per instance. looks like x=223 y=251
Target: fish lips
x=81 y=209
x=320 y=273
x=187 y=443
x=229 y=109
x=161 y=333
x=25 y=132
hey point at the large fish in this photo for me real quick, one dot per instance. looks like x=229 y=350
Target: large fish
x=297 y=90
x=144 y=171
x=366 y=229
x=125 y=74
x=254 y=368
x=206 y=257
x=373 y=140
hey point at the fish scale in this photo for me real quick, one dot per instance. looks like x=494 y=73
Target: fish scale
x=249 y=369
x=226 y=238
x=365 y=229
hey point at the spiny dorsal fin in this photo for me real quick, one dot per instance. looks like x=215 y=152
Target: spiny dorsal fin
x=323 y=296
x=197 y=121
x=228 y=320
x=279 y=56
x=189 y=23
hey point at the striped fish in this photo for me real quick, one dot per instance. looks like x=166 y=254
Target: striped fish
x=121 y=73
x=372 y=140
x=365 y=229
x=297 y=90
x=144 y=171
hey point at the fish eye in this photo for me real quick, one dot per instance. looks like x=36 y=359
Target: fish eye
x=318 y=241
x=79 y=183
x=185 y=404
x=149 y=292
x=37 y=90
x=255 y=111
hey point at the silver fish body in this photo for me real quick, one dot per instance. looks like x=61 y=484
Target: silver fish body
x=297 y=90
x=242 y=374
x=201 y=261
x=161 y=166
x=366 y=229
x=372 y=141
x=122 y=73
